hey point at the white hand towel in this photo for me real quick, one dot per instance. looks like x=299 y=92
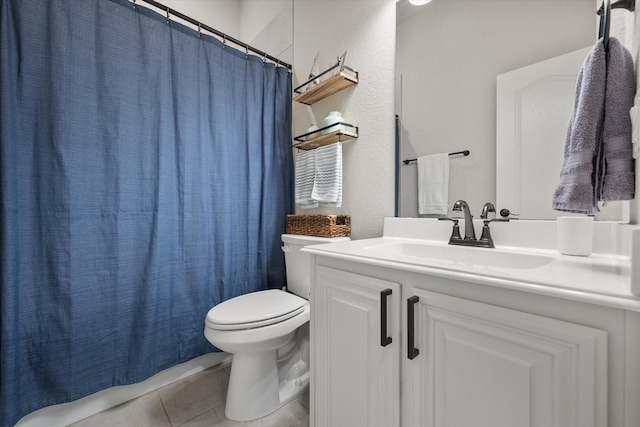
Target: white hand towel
x=433 y=184
x=327 y=186
x=338 y=179
x=304 y=178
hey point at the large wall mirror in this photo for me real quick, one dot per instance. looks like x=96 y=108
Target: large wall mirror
x=450 y=54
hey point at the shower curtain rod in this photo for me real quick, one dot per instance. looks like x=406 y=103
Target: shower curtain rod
x=224 y=36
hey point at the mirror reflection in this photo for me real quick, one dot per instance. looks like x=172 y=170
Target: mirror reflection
x=449 y=56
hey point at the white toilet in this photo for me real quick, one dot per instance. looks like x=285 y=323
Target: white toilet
x=268 y=334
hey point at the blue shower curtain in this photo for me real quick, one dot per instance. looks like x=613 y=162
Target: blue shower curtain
x=145 y=177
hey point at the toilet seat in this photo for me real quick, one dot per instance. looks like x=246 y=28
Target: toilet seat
x=255 y=310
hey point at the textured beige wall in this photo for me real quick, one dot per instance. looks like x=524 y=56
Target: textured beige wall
x=223 y=15
x=366 y=29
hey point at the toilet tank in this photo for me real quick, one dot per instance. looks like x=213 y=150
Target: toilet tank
x=298 y=264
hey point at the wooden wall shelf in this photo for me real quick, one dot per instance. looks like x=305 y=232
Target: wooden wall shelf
x=334 y=84
x=330 y=138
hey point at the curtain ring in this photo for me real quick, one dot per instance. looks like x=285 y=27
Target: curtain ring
x=246 y=50
x=134 y=4
x=264 y=57
x=199 y=29
x=224 y=40
x=167 y=15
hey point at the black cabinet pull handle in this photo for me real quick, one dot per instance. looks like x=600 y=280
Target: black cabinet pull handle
x=412 y=352
x=385 y=340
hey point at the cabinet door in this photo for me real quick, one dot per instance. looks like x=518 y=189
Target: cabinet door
x=356 y=371
x=482 y=365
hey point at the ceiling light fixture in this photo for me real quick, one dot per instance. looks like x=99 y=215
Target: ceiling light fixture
x=419 y=2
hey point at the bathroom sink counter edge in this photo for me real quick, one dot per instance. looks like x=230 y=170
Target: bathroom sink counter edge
x=602 y=279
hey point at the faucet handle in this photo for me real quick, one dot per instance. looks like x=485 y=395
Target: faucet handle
x=506 y=213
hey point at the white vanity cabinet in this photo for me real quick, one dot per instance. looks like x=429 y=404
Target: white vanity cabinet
x=483 y=365
x=464 y=354
x=356 y=362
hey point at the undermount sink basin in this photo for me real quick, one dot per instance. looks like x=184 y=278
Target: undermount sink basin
x=482 y=257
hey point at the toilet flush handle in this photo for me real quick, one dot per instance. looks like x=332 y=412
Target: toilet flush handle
x=285 y=248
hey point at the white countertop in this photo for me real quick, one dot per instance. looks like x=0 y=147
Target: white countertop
x=598 y=279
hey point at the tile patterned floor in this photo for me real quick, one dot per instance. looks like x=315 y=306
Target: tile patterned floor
x=193 y=402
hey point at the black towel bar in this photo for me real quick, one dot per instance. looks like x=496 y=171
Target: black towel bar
x=464 y=153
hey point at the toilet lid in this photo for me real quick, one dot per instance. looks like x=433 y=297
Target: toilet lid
x=255 y=309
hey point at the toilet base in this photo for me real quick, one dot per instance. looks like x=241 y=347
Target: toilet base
x=256 y=393
x=262 y=382
x=253 y=386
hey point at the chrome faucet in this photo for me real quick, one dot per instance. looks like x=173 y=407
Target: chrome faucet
x=485 y=241
x=469 y=231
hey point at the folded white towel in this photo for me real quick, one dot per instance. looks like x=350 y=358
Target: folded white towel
x=337 y=178
x=433 y=184
x=304 y=178
x=327 y=185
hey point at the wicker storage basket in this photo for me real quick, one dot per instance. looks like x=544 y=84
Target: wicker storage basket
x=319 y=225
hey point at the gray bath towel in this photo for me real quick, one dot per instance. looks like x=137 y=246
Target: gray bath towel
x=576 y=190
x=616 y=181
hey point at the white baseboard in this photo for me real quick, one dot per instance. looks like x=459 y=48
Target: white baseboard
x=69 y=413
